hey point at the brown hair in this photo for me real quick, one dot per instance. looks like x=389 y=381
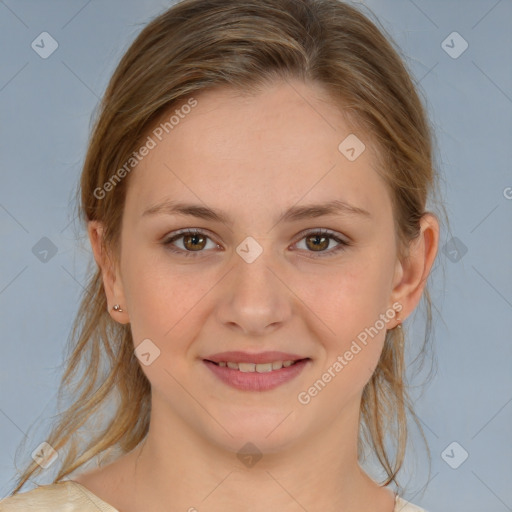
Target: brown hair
x=193 y=46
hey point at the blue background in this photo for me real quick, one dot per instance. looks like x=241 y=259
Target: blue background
x=45 y=112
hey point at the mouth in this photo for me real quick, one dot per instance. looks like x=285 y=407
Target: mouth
x=255 y=374
x=257 y=367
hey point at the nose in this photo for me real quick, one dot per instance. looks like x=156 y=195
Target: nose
x=254 y=298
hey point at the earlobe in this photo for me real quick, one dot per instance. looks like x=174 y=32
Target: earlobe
x=415 y=269
x=111 y=280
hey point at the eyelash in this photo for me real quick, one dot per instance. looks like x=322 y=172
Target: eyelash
x=321 y=232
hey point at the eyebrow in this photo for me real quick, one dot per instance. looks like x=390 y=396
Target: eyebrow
x=292 y=214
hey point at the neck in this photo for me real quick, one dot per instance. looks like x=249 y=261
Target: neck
x=176 y=468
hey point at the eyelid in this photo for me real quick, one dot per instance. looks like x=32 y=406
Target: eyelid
x=323 y=231
x=186 y=231
x=176 y=235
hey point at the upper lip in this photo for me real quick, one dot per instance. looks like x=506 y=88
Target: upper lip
x=258 y=358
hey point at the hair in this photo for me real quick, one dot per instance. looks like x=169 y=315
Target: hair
x=194 y=46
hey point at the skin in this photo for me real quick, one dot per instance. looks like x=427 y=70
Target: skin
x=254 y=157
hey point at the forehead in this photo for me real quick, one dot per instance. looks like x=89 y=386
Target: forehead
x=275 y=146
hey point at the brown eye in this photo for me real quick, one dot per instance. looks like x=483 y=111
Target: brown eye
x=318 y=242
x=194 y=242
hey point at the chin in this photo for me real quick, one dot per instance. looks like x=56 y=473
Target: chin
x=270 y=430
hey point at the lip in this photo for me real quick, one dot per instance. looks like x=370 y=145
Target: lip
x=258 y=358
x=255 y=381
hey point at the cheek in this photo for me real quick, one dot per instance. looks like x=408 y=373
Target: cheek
x=357 y=296
x=353 y=351
x=162 y=297
x=353 y=296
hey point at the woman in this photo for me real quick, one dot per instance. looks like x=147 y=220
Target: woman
x=255 y=194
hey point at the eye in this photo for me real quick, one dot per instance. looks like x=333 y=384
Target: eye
x=319 y=240
x=195 y=240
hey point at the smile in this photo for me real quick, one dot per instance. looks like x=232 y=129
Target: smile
x=256 y=367
x=247 y=376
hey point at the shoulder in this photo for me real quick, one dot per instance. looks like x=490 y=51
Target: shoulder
x=64 y=496
x=405 y=506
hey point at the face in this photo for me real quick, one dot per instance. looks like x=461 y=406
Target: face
x=273 y=275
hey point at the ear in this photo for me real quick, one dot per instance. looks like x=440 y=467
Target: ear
x=110 y=273
x=412 y=273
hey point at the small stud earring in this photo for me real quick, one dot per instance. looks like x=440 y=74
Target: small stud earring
x=117 y=308
x=399 y=324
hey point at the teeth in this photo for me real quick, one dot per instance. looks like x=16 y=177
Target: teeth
x=246 y=367
x=259 y=368
x=264 y=368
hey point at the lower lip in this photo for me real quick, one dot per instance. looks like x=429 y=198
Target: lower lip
x=254 y=381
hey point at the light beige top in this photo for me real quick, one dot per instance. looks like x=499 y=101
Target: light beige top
x=70 y=496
